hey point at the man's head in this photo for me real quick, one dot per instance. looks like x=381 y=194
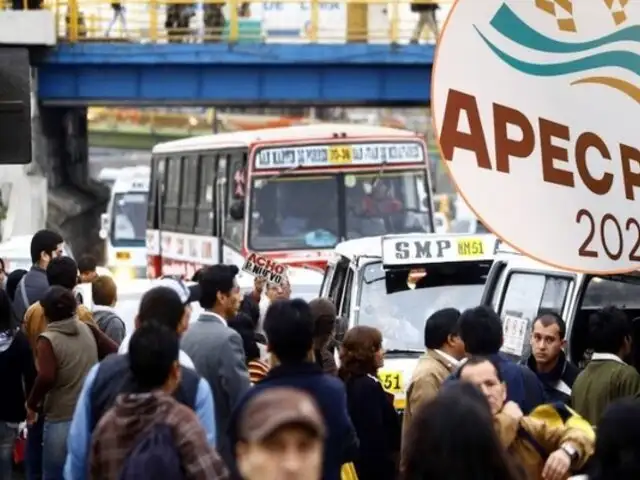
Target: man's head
x=58 y=304
x=548 y=338
x=441 y=333
x=289 y=328
x=485 y=375
x=610 y=332
x=323 y=312
x=278 y=292
x=63 y=271
x=280 y=437
x=219 y=291
x=87 y=266
x=45 y=245
x=481 y=331
x=163 y=305
x=153 y=358
x=104 y=291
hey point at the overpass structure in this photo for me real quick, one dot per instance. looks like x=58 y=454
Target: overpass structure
x=326 y=53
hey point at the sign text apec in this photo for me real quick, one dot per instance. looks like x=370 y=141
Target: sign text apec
x=555 y=172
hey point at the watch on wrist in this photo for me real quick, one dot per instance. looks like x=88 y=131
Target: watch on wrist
x=571 y=451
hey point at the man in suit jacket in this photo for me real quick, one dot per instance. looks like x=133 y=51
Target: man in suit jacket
x=216 y=349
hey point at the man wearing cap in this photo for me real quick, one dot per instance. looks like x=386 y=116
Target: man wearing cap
x=280 y=436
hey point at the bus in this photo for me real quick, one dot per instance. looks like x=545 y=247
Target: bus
x=290 y=194
x=123 y=224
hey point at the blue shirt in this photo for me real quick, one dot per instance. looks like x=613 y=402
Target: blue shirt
x=79 y=439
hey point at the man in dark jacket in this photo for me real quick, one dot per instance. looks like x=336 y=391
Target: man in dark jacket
x=289 y=328
x=547 y=359
x=481 y=331
x=45 y=245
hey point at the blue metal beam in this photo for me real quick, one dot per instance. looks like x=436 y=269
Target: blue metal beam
x=244 y=74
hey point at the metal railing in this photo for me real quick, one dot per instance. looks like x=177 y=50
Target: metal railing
x=277 y=21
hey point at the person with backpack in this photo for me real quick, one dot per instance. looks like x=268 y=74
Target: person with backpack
x=147 y=433
x=162 y=305
x=105 y=294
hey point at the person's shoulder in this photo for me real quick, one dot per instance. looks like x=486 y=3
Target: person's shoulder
x=625 y=371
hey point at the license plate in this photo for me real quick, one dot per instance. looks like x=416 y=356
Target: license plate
x=340 y=155
x=471 y=248
x=391 y=381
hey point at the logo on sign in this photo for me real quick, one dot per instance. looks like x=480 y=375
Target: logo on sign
x=565 y=159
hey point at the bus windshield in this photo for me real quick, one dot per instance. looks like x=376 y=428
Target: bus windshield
x=303 y=211
x=129 y=219
x=401 y=315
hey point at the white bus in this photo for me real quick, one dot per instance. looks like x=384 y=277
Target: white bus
x=123 y=224
x=290 y=194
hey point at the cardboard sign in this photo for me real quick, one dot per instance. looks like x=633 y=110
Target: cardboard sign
x=555 y=173
x=264 y=267
x=413 y=249
x=514 y=334
x=332 y=155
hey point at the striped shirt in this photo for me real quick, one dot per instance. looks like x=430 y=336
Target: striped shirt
x=257 y=370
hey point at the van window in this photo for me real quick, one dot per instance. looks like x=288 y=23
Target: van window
x=346 y=297
x=337 y=282
x=326 y=280
x=526 y=296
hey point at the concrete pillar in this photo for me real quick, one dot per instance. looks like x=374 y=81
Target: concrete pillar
x=75 y=201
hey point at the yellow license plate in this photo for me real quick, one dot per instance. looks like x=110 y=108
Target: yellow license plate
x=123 y=255
x=340 y=155
x=391 y=381
x=472 y=247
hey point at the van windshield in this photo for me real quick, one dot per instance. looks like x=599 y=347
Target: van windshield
x=401 y=315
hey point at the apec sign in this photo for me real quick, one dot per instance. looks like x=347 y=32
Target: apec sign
x=533 y=102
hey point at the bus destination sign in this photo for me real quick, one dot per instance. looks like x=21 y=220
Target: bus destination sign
x=338 y=155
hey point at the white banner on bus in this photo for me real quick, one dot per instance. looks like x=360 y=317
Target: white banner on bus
x=338 y=155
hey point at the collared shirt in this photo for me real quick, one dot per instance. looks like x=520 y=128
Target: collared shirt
x=454 y=361
x=607 y=356
x=212 y=314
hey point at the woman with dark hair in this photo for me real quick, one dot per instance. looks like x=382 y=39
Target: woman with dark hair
x=452 y=437
x=370 y=407
x=66 y=351
x=18 y=374
x=244 y=325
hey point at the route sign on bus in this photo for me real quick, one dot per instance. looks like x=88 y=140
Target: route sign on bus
x=554 y=174
x=401 y=250
x=345 y=154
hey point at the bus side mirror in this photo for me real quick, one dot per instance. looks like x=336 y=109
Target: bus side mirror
x=236 y=210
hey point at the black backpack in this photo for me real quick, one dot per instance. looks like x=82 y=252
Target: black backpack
x=154 y=456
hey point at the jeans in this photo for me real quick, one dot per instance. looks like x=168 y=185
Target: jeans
x=33 y=455
x=8 y=435
x=54 y=449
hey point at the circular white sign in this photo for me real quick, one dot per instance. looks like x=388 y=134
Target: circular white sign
x=535 y=103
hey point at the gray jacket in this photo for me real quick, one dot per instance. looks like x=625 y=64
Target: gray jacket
x=110 y=323
x=31 y=289
x=218 y=354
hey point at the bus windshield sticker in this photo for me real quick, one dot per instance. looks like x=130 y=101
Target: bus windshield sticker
x=264 y=267
x=338 y=155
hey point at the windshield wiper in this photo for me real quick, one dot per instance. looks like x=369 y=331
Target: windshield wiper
x=284 y=172
x=403 y=351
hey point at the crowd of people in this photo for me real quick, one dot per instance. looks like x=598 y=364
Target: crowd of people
x=252 y=389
